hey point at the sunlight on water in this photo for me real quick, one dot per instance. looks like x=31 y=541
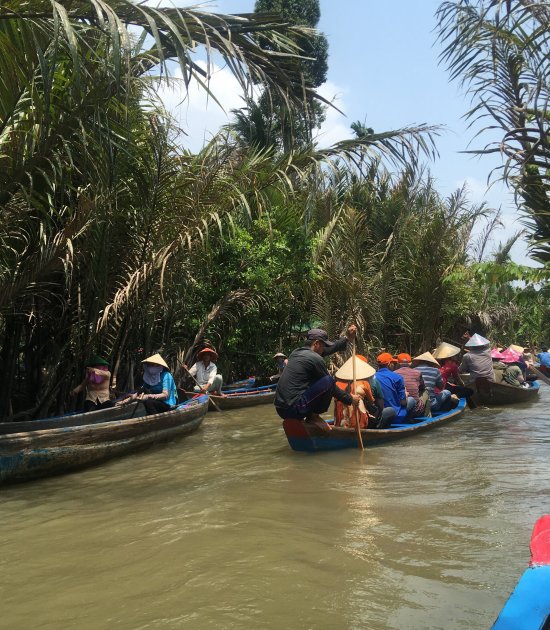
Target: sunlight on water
x=229 y=528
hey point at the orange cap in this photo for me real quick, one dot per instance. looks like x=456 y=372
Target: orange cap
x=385 y=358
x=404 y=357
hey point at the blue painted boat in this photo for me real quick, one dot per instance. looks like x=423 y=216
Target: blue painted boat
x=528 y=607
x=245 y=383
x=46 y=451
x=304 y=437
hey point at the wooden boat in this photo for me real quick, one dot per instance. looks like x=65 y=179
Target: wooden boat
x=69 y=419
x=46 y=451
x=528 y=607
x=245 y=398
x=489 y=393
x=302 y=437
x=246 y=383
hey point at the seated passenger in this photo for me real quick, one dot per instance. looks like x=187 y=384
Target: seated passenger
x=447 y=355
x=477 y=362
x=281 y=362
x=513 y=374
x=158 y=392
x=393 y=388
x=429 y=368
x=544 y=360
x=96 y=383
x=345 y=415
x=414 y=385
x=498 y=365
x=205 y=372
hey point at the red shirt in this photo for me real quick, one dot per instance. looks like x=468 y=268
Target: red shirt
x=449 y=372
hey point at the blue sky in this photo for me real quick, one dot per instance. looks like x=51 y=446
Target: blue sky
x=384 y=71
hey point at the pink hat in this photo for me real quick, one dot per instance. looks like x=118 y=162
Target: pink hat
x=495 y=354
x=509 y=356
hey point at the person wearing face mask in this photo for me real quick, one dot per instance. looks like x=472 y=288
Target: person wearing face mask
x=158 y=392
x=281 y=362
x=96 y=383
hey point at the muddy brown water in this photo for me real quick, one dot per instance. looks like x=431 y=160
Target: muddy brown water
x=229 y=528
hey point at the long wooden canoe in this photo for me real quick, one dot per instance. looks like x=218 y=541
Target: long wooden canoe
x=303 y=437
x=504 y=394
x=247 y=398
x=70 y=419
x=528 y=607
x=41 y=452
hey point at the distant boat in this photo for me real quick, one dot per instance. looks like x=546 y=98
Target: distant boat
x=246 y=383
x=46 y=449
x=489 y=393
x=302 y=437
x=528 y=607
x=242 y=398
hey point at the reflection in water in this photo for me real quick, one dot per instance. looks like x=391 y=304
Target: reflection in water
x=228 y=528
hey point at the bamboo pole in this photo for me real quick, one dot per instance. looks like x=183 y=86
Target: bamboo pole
x=355 y=410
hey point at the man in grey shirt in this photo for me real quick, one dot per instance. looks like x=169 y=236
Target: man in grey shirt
x=477 y=362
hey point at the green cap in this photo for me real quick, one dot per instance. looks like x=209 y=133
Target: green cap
x=97 y=360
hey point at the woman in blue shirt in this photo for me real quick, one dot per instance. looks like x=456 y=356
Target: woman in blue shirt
x=158 y=393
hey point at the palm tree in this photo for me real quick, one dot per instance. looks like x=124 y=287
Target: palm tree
x=499 y=50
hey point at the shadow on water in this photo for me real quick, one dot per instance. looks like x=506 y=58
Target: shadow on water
x=229 y=528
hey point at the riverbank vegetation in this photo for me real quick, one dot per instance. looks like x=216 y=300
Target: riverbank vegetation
x=115 y=240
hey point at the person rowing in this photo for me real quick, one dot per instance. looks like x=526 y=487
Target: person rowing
x=306 y=388
x=158 y=392
x=205 y=372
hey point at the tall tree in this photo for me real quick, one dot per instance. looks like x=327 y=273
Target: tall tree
x=291 y=128
x=500 y=51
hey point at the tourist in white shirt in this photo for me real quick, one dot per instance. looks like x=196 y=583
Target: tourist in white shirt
x=205 y=371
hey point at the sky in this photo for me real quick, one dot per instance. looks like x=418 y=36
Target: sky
x=383 y=71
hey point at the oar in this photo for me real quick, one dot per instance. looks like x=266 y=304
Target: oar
x=199 y=386
x=355 y=410
x=538 y=373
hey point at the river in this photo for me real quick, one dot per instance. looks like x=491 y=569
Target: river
x=230 y=529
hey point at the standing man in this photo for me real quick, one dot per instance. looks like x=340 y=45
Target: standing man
x=305 y=387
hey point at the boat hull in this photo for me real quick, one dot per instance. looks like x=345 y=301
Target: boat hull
x=70 y=419
x=528 y=607
x=303 y=438
x=44 y=452
x=238 y=400
x=504 y=394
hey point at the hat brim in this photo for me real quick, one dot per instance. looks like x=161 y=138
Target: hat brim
x=207 y=351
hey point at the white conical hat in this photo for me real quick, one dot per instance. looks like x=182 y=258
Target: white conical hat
x=156 y=359
x=519 y=349
x=428 y=357
x=445 y=350
x=362 y=370
x=476 y=341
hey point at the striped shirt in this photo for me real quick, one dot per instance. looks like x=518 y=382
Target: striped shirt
x=432 y=379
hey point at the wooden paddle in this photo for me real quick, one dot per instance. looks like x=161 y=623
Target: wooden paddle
x=538 y=373
x=199 y=386
x=355 y=410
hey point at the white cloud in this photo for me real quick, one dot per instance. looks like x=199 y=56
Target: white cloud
x=196 y=112
x=336 y=126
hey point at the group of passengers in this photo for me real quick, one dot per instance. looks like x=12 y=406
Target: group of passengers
x=400 y=391
x=158 y=392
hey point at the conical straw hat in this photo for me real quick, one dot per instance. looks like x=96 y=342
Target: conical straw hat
x=476 y=341
x=445 y=350
x=362 y=370
x=509 y=356
x=428 y=357
x=518 y=349
x=156 y=359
